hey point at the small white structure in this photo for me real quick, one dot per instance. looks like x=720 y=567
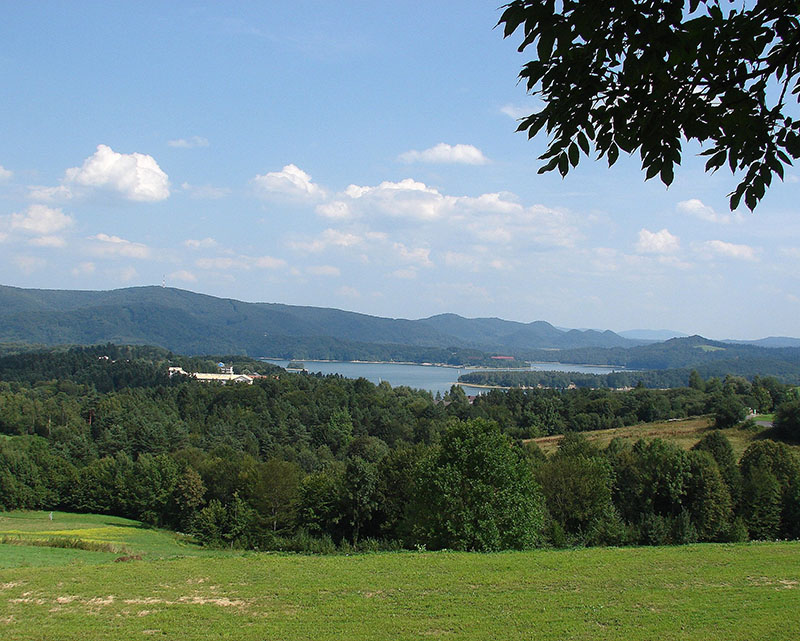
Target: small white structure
x=227 y=376
x=223 y=378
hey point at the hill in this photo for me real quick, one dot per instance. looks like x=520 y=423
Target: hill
x=193 y=323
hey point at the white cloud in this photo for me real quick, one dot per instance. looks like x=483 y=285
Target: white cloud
x=183 y=275
x=419 y=255
x=336 y=209
x=40 y=219
x=328 y=238
x=220 y=262
x=134 y=176
x=516 y=111
x=106 y=245
x=729 y=250
x=50 y=194
x=291 y=181
x=405 y=199
x=83 y=268
x=349 y=292
x=3 y=237
x=661 y=242
x=446 y=154
x=323 y=270
x=205 y=192
x=205 y=243
x=5 y=174
x=29 y=264
x=698 y=209
x=224 y=263
x=269 y=262
x=405 y=274
x=189 y=143
x=47 y=241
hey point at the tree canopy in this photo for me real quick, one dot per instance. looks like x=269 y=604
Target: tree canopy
x=647 y=75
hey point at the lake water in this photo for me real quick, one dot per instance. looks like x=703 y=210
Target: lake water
x=434 y=378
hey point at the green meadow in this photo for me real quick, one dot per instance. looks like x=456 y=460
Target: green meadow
x=178 y=591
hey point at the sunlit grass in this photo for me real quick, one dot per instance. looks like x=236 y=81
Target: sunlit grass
x=685 y=433
x=736 y=592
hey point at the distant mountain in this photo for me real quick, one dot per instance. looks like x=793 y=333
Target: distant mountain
x=493 y=333
x=652 y=335
x=192 y=323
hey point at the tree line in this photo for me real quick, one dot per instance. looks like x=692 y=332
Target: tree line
x=302 y=462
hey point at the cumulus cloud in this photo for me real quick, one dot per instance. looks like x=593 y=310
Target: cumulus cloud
x=336 y=209
x=5 y=174
x=269 y=262
x=729 y=250
x=418 y=255
x=494 y=217
x=405 y=274
x=328 y=238
x=135 y=176
x=205 y=192
x=50 y=194
x=290 y=181
x=323 y=270
x=446 y=154
x=106 y=245
x=189 y=143
x=84 y=268
x=204 y=243
x=183 y=275
x=660 y=242
x=29 y=264
x=47 y=241
x=226 y=263
x=349 y=292
x=698 y=209
x=40 y=219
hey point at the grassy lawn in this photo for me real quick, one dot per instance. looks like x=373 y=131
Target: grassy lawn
x=119 y=536
x=743 y=591
x=684 y=433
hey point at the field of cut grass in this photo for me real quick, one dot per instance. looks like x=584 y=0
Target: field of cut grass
x=684 y=433
x=731 y=592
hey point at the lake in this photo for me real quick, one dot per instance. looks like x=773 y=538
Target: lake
x=434 y=378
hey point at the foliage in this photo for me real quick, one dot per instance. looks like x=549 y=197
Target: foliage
x=475 y=492
x=645 y=75
x=787 y=420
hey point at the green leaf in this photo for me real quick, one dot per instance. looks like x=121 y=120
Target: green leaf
x=613 y=154
x=574 y=154
x=563 y=164
x=667 y=174
x=583 y=141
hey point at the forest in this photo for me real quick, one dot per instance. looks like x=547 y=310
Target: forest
x=324 y=463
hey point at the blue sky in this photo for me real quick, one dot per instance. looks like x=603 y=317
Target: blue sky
x=359 y=155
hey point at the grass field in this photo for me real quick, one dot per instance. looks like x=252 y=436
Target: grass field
x=121 y=536
x=742 y=591
x=684 y=433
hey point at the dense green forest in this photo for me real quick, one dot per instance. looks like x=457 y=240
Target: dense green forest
x=310 y=462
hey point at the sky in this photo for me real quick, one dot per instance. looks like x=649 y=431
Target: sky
x=358 y=155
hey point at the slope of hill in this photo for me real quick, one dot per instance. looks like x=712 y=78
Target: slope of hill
x=196 y=323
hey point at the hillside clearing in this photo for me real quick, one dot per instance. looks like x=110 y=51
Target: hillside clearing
x=685 y=433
